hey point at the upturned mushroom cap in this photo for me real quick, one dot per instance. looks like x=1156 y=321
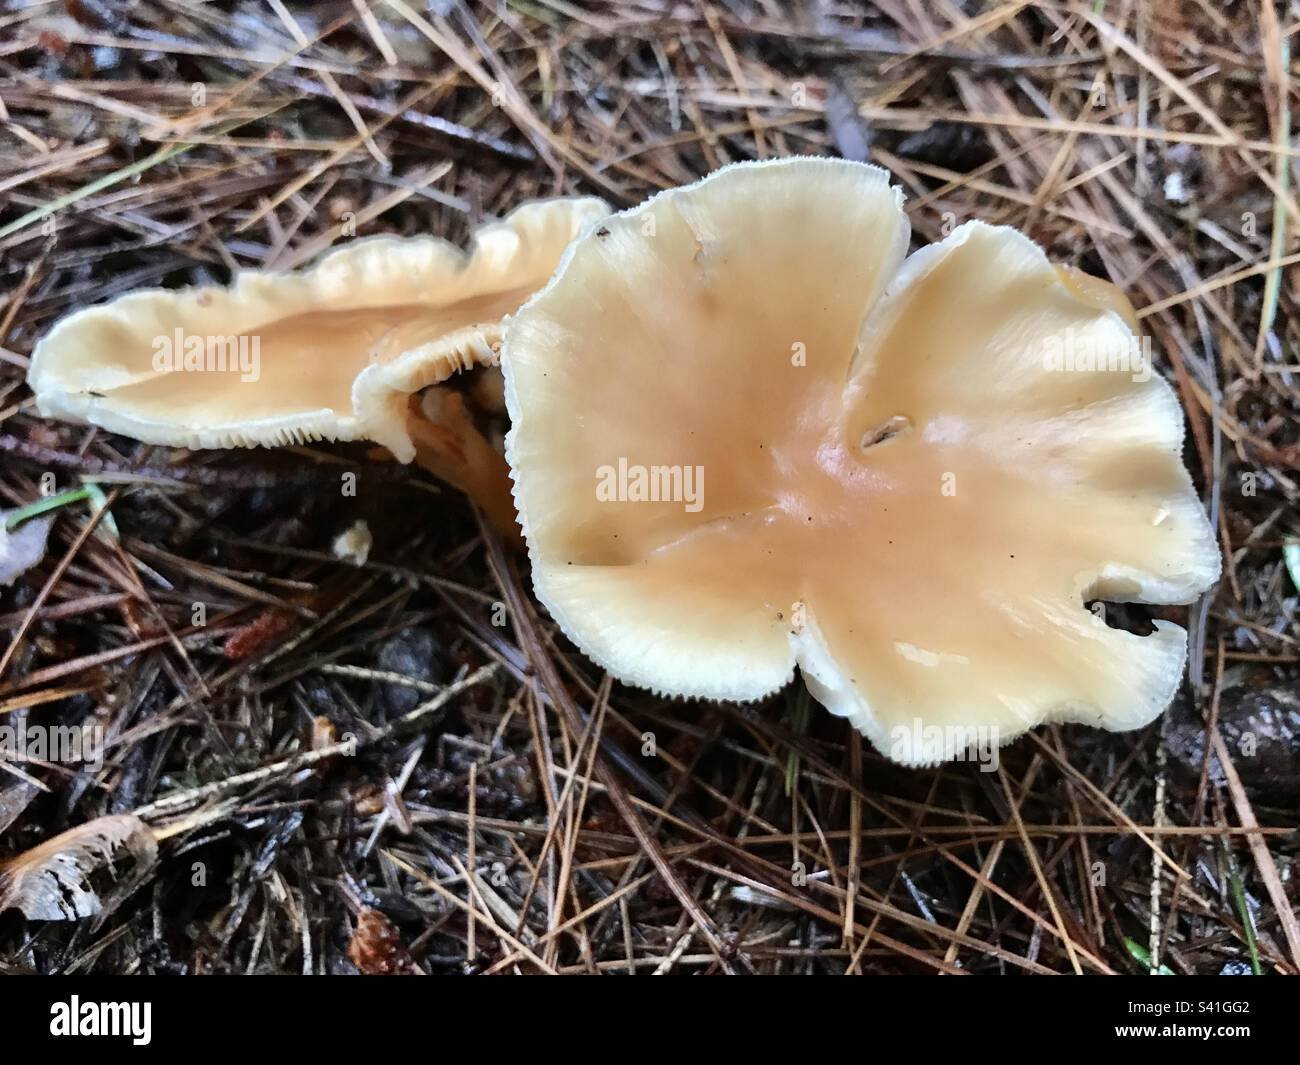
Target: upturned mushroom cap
x=339 y=347
x=872 y=469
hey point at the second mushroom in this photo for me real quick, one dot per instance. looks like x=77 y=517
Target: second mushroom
x=340 y=351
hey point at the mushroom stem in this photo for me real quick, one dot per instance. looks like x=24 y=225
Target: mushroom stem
x=449 y=445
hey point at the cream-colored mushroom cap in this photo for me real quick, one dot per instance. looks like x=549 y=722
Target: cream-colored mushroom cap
x=747 y=435
x=330 y=353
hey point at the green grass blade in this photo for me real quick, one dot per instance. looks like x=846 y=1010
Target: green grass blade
x=21 y=514
x=107 y=181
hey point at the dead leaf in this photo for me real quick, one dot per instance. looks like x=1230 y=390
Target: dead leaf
x=852 y=136
x=50 y=882
x=376 y=947
x=22 y=548
x=258 y=636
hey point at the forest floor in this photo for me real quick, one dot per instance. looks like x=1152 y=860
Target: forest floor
x=496 y=812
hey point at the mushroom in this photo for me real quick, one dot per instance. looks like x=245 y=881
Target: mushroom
x=333 y=352
x=449 y=444
x=748 y=435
